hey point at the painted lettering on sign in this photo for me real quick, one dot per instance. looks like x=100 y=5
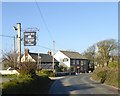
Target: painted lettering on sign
x=29 y=38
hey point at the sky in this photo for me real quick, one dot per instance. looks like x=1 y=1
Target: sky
x=72 y=25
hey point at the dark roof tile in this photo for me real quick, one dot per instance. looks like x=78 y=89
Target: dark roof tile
x=44 y=57
x=73 y=55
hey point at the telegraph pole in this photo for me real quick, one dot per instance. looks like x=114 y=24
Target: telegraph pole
x=19 y=42
x=18 y=29
x=53 y=54
x=14 y=53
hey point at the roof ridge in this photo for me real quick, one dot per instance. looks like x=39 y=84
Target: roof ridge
x=69 y=51
x=36 y=53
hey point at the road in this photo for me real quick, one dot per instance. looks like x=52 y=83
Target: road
x=80 y=84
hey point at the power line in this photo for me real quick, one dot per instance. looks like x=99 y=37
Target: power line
x=7 y=36
x=45 y=47
x=47 y=29
x=13 y=48
x=39 y=10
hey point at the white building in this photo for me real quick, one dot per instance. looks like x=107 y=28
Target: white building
x=74 y=59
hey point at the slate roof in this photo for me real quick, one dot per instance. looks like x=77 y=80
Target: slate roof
x=44 y=57
x=73 y=55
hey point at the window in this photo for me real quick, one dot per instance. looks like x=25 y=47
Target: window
x=73 y=62
x=65 y=60
x=77 y=62
x=81 y=62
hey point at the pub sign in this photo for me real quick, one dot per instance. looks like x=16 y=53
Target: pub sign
x=29 y=38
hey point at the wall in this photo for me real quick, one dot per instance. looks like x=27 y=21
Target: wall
x=29 y=58
x=60 y=56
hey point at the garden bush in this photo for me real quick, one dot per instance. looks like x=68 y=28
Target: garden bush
x=49 y=73
x=27 y=68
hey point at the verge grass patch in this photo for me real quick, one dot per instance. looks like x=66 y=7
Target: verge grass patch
x=28 y=85
x=106 y=75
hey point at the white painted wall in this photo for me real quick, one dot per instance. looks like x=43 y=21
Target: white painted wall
x=60 y=56
x=29 y=58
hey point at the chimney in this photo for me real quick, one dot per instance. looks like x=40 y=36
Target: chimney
x=49 y=52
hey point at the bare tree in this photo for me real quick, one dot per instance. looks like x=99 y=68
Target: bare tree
x=9 y=59
x=105 y=48
x=90 y=54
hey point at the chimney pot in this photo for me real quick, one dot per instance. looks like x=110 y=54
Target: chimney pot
x=49 y=52
x=26 y=52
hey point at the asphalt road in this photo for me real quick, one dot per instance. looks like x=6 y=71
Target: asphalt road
x=80 y=84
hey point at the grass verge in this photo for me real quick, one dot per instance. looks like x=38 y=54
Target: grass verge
x=28 y=85
x=107 y=75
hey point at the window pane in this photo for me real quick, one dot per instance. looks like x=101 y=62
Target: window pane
x=77 y=62
x=73 y=62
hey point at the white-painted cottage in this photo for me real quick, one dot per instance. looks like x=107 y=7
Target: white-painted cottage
x=44 y=61
x=74 y=59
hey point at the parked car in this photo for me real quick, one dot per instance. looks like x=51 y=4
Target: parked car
x=9 y=71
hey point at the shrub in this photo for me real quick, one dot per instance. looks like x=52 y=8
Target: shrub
x=107 y=75
x=27 y=68
x=71 y=68
x=10 y=76
x=102 y=75
x=49 y=73
x=96 y=73
x=113 y=64
x=62 y=68
x=112 y=77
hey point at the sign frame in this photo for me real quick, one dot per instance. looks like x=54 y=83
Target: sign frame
x=29 y=38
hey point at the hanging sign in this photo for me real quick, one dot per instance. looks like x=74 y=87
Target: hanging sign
x=29 y=38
